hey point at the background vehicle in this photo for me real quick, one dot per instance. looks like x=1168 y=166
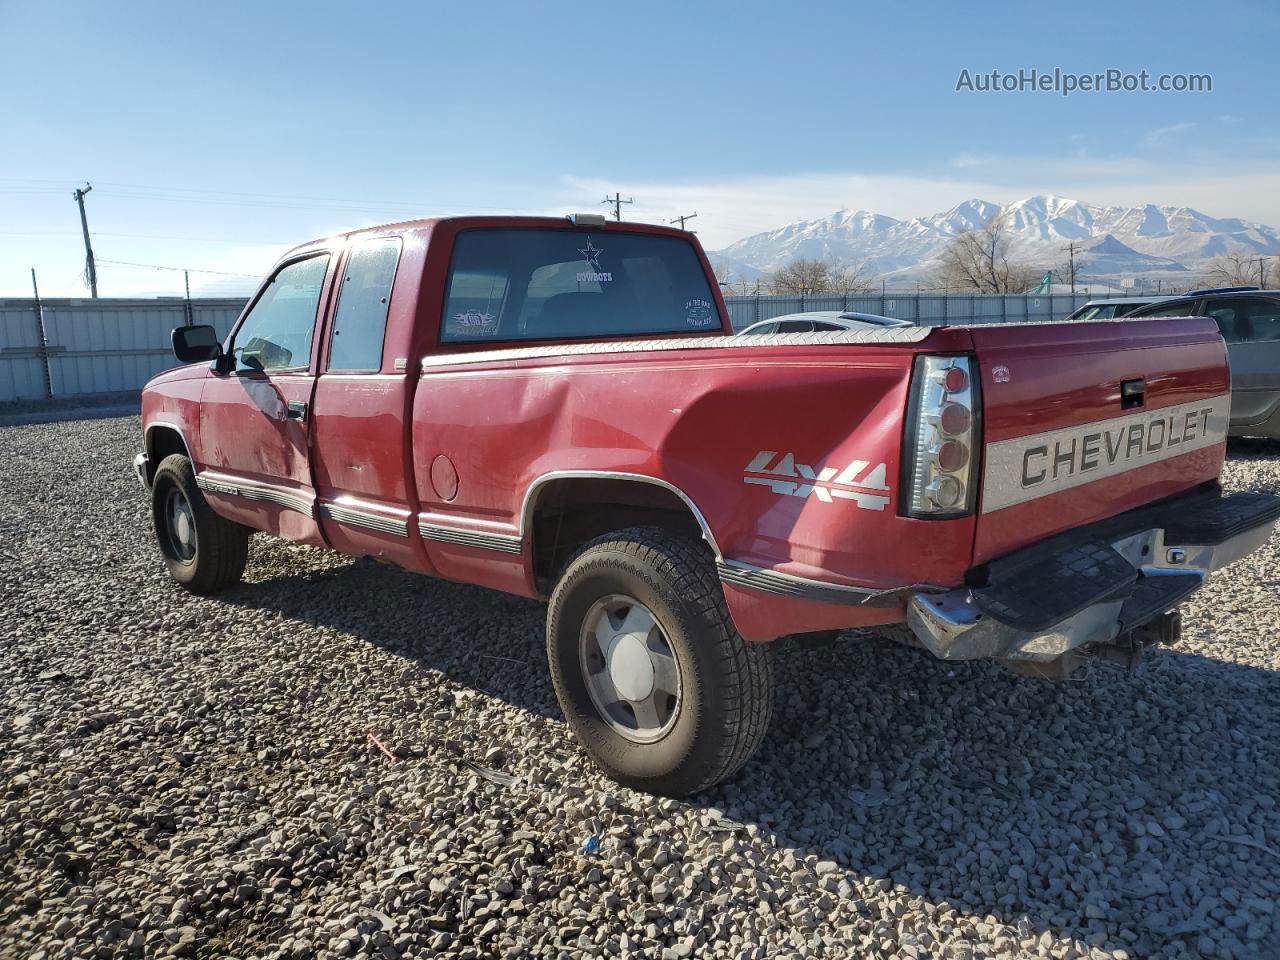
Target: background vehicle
x=822 y=320
x=1113 y=308
x=1249 y=319
x=556 y=409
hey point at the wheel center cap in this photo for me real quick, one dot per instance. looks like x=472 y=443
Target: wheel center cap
x=630 y=668
x=184 y=527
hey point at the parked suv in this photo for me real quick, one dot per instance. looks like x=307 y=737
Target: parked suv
x=1249 y=319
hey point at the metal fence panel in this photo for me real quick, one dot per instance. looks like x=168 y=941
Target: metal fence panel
x=96 y=346
x=21 y=362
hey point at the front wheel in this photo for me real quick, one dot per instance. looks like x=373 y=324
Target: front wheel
x=203 y=551
x=654 y=680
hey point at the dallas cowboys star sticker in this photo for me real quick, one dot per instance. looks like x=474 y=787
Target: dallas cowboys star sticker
x=592 y=255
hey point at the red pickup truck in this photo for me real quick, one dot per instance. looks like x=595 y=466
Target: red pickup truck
x=559 y=409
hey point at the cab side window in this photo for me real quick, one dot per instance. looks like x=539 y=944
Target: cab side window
x=277 y=333
x=360 y=322
x=1247 y=319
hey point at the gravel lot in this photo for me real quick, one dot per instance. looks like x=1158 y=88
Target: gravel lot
x=187 y=777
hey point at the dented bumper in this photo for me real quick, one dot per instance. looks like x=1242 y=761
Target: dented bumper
x=1092 y=585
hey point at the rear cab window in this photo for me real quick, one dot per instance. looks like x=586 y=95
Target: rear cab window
x=517 y=284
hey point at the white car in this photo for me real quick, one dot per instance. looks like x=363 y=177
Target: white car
x=823 y=320
x=1114 y=308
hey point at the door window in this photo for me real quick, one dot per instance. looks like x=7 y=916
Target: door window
x=360 y=322
x=1247 y=319
x=277 y=333
x=1183 y=308
x=795 y=326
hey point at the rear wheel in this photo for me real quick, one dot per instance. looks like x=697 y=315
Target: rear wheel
x=653 y=679
x=203 y=551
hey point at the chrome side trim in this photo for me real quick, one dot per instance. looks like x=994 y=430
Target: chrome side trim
x=530 y=496
x=355 y=516
x=802 y=588
x=890 y=335
x=266 y=493
x=498 y=542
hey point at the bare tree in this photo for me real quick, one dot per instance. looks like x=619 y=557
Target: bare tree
x=731 y=281
x=979 y=261
x=849 y=278
x=1236 y=270
x=805 y=276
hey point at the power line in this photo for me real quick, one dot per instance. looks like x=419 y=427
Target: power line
x=92 y=272
x=157 y=266
x=617 y=202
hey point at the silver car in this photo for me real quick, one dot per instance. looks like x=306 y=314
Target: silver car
x=1249 y=319
x=822 y=320
x=1113 y=308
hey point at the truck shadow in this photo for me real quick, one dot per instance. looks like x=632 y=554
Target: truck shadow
x=1095 y=807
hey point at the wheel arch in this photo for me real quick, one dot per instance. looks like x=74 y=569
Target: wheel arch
x=564 y=509
x=162 y=439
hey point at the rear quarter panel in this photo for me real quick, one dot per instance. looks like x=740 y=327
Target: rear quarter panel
x=722 y=425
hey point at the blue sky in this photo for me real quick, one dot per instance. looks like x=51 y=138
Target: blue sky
x=217 y=134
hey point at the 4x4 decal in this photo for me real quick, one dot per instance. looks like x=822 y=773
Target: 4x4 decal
x=790 y=479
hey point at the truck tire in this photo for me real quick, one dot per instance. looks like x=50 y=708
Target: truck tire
x=654 y=680
x=203 y=551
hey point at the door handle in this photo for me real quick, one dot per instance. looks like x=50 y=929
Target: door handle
x=297 y=410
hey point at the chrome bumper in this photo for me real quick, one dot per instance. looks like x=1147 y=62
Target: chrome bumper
x=954 y=626
x=140 y=468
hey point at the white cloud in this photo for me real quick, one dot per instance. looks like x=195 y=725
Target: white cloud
x=1162 y=136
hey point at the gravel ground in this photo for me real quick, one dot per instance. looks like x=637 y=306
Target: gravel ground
x=196 y=778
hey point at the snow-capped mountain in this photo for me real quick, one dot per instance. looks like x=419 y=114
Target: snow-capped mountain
x=1115 y=240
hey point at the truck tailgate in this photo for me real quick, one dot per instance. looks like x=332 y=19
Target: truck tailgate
x=1065 y=446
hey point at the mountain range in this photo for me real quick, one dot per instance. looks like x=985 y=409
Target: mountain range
x=1156 y=241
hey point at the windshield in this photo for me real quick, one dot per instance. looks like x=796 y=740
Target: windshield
x=526 y=284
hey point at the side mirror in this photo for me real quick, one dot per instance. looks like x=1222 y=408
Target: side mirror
x=194 y=344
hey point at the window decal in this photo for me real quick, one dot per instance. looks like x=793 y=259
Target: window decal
x=474 y=323
x=591 y=253
x=698 y=314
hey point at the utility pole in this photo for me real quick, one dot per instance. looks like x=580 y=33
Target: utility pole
x=1071 y=255
x=90 y=270
x=186 y=282
x=681 y=220
x=617 y=202
x=1262 y=271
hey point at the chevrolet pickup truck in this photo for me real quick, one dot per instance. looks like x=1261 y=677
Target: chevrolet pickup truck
x=559 y=409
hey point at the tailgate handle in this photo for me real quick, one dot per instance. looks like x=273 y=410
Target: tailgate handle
x=1132 y=393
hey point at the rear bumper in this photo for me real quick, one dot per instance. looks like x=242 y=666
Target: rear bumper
x=1092 y=585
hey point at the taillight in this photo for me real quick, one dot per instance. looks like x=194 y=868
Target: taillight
x=940 y=449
